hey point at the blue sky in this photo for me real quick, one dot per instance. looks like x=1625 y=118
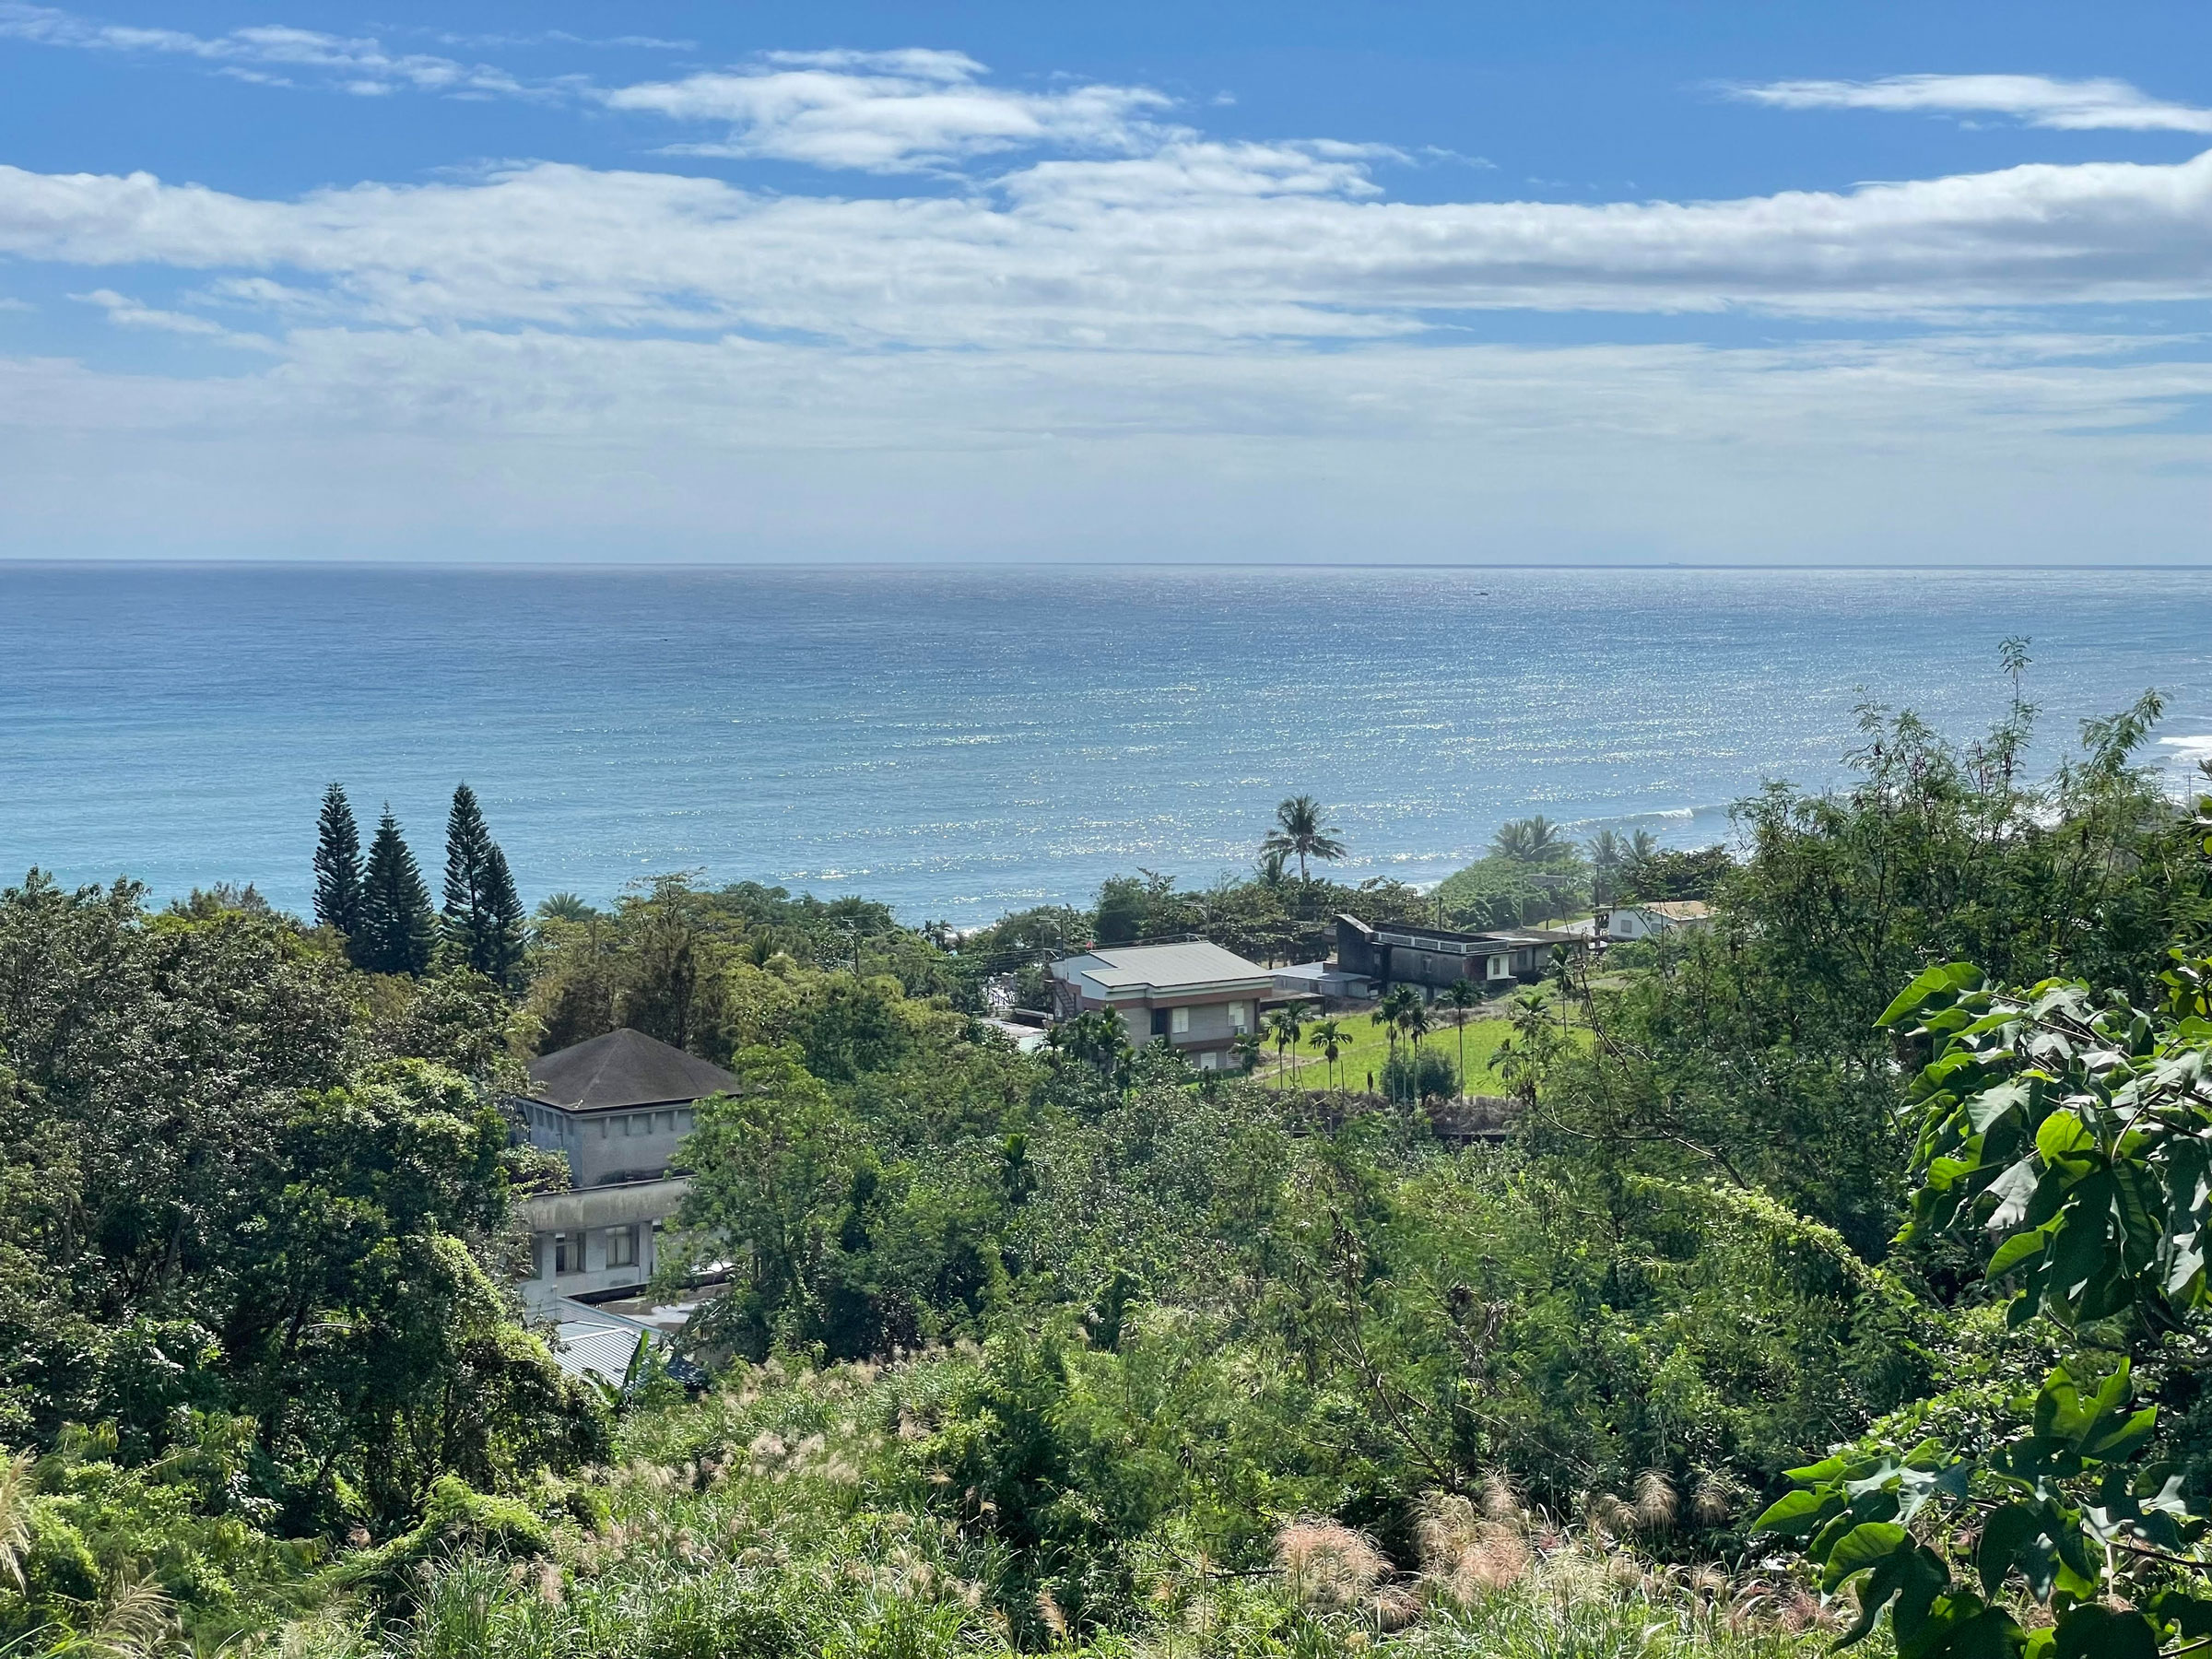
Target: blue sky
x=1482 y=284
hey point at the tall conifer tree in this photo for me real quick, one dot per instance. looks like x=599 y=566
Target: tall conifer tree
x=339 y=865
x=504 y=909
x=397 y=927
x=483 y=913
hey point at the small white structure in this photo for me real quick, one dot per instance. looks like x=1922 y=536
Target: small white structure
x=1626 y=922
x=1028 y=1039
x=1197 y=996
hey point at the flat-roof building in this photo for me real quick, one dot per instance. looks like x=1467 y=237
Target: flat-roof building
x=1406 y=953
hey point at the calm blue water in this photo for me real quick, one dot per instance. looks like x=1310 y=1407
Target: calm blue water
x=963 y=742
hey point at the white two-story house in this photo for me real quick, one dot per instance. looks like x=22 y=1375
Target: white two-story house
x=617 y=1107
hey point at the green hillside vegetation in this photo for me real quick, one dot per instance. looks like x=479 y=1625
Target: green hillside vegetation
x=1085 y=1352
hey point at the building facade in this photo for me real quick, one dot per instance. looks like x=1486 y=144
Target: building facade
x=1627 y=922
x=1402 y=954
x=618 y=1108
x=1198 y=996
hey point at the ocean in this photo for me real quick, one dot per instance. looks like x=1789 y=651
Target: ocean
x=966 y=741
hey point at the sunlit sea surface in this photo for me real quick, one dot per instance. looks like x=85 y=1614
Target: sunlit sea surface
x=962 y=742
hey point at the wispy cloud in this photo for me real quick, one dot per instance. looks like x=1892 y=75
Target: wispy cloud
x=2038 y=100
x=126 y=312
x=890 y=111
x=1197 y=241
x=268 y=52
x=519 y=441
x=561 y=37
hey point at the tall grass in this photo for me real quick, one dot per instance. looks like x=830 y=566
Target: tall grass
x=784 y=1514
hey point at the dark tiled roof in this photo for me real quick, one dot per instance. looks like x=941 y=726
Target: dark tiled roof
x=623 y=1068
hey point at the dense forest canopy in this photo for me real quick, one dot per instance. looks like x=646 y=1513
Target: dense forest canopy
x=1083 y=1348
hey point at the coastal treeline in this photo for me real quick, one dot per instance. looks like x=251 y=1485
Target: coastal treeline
x=1079 y=1351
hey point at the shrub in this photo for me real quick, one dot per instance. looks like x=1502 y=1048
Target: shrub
x=1420 y=1075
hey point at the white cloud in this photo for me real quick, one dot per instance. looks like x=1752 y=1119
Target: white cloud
x=1109 y=339
x=1194 y=244
x=2080 y=105
x=532 y=445
x=128 y=313
x=890 y=111
x=270 y=52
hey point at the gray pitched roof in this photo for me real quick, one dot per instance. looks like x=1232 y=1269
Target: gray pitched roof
x=1162 y=967
x=623 y=1068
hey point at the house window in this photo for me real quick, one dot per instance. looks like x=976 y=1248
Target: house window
x=1239 y=1016
x=622 y=1247
x=1178 y=1021
x=1159 y=1022
x=568 y=1252
x=535 y=1267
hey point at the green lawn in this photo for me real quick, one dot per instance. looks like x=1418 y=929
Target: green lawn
x=1371 y=1047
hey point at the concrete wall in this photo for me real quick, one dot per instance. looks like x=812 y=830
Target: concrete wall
x=633 y=1144
x=587 y=1219
x=1209 y=1023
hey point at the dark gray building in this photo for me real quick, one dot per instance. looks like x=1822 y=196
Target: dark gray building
x=1405 y=954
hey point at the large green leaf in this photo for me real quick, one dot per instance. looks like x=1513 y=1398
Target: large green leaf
x=2062 y=1135
x=2005 y=1535
x=2190 y=1614
x=2119 y=1441
x=1796 y=1513
x=1942 y=985
x=1867 y=1544
x=1915 y=1577
x=2095 y=1632
x=2019 y=1248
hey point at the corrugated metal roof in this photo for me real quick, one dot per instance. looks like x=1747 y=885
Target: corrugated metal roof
x=1157 y=967
x=594 y=1349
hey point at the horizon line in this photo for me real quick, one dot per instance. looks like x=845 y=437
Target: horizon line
x=1036 y=568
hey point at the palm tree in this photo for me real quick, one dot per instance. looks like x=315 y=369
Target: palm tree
x=1330 y=1036
x=1271 y=866
x=1391 y=1012
x=1415 y=1018
x=1283 y=1025
x=1299 y=833
x=1527 y=841
x=1609 y=853
x=1247 y=1050
x=1637 y=853
x=1097 y=1038
x=1459 y=996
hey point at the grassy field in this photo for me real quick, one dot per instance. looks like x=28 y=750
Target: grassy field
x=1370 y=1048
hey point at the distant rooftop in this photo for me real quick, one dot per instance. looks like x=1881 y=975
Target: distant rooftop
x=623 y=1068
x=1674 y=909
x=1157 y=967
